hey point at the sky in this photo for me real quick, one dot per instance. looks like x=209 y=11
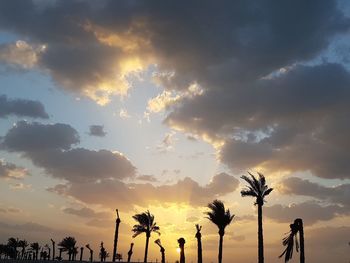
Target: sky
x=164 y=105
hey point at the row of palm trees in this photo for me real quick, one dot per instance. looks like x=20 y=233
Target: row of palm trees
x=256 y=187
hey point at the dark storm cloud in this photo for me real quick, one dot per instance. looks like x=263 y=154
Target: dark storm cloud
x=339 y=194
x=311 y=212
x=246 y=55
x=110 y=193
x=49 y=147
x=36 y=137
x=97 y=130
x=21 y=108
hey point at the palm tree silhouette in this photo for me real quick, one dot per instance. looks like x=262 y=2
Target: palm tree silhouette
x=22 y=244
x=182 y=242
x=91 y=252
x=257 y=188
x=53 y=249
x=81 y=253
x=288 y=241
x=162 y=249
x=116 y=233
x=130 y=251
x=68 y=245
x=145 y=225
x=199 y=243
x=35 y=247
x=221 y=218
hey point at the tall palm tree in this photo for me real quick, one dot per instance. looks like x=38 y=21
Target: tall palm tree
x=182 y=242
x=145 y=225
x=35 y=247
x=221 y=218
x=116 y=234
x=53 y=249
x=288 y=241
x=68 y=245
x=258 y=189
x=199 y=243
x=12 y=244
x=162 y=249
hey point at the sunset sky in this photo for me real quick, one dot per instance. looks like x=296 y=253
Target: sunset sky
x=163 y=105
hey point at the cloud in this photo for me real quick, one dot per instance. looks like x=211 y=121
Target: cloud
x=310 y=212
x=36 y=137
x=26 y=227
x=12 y=171
x=97 y=130
x=86 y=212
x=148 y=178
x=21 y=54
x=10 y=210
x=21 y=108
x=49 y=147
x=110 y=193
x=339 y=194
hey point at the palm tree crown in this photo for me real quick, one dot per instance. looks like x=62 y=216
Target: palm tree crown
x=145 y=224
x=219 y=216
x=256 y=188
x=68 y=244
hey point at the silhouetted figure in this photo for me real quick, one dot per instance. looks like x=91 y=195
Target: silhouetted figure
x=116 y=233
x=91 y=252
x=81 y=253
x=288 y=241
x=145 y=225
x=162 y=249
x=257 y=188
x=199 y=243
x=221 y=218
x=53 y=249
x=130 y=251
x=182 y=242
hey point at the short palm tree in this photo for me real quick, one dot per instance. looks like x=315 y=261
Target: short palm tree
x=221 y=218
x=68 y=245
x=258 y=189
x=145 y=225
x=182 y=242
x=162 y=249
x=199 y=243
x=288 y=241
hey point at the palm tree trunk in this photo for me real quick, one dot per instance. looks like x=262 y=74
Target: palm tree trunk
x=260 y=235
x=53 y=249
x=301 y=236
x=220 y=248
x=116 y=234
x=199 y=250
x=146 y=249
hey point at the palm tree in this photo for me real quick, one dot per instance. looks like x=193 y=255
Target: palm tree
x=23 y=244
x=12 y=244
x=53 y=249
x=199 y=243
x=288 y=241
x=130 y=252
x=162 y=249
x=81 y=253
x=221 y=218
x=116 y=233
x=68 y=245
x=91 y=252
x=182 y=242
x=257 y=188
x=145 y=225
x=35 y=247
